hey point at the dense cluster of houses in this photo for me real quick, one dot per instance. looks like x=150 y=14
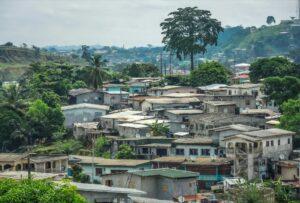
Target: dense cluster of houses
x=216 y=133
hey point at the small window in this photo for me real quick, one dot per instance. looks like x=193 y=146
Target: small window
x=278 y=142
x=108 y=183
x=279 y=170
x=225 y=110
x=272 y=143
x=205 y=152
x=98 y=114
x=247 y=102
x=98 y=171
x=193 y=151
x=179 y=151
x=145 y=150
x=267 y=143
x=289 y=141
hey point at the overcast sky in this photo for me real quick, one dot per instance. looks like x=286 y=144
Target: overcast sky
x=119 y=22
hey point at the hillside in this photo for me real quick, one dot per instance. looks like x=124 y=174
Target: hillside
x=14 y=61
x=246 y=44
x=235 y=45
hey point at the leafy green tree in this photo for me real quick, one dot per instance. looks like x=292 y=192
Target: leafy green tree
x=79 y=84
x=290 y=119
x=51 y=99
x=283 y=193
x=86 y=53
x=281 y=89
x=44 y=120
x=102 y=146
x=141 y=70
x=182 y=80
x=159 y=129
x=270 y=20
x=209 y=73
x=271 y=67
x=54 y=77
x=12 y=96
x=13 y=126
x=250 y=193
x=125 y=152
x=78 y=175
x=188 y=31
x=15 y=191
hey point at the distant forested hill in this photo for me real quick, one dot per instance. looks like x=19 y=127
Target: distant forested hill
x=235 y=44
x=246 y=44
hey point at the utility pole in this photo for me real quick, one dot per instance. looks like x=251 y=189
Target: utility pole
x=93 y=157
x=28 y=157
x=161 y=63
x=299 y=9
x=170 y=63
x=29 y=166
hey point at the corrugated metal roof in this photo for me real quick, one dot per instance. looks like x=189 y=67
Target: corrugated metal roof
x=85 y=105
x=166 y=172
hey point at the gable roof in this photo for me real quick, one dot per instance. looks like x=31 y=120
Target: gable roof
x=11 y=157
x=269 y=133
x=220 y=103
x=99 y=161
x=184 y=111
x=172 y=100
x=194 y=141
x=85 y=105
x=166 y=172
x=239 y=127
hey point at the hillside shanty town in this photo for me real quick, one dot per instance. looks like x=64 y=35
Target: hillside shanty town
x=209 y=115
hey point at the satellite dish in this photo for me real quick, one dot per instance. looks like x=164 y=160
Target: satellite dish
x=281 y=156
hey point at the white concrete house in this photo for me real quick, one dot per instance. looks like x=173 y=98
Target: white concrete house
x=82 y=113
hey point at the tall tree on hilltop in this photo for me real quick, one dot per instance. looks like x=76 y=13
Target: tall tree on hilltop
x=86 y=53
x=189 y=31
x=97 y=74
x=270 y=20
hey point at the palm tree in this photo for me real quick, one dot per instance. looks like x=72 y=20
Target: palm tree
x=12 y=97
x=98 y=73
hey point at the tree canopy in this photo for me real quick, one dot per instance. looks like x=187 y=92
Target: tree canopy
x=270 y=20
x=159 y=129
x=44 y=120
x=269 y=67
x=15 y=191
x=282 y=89
x=290 y=119
x=141 y=70
x=125 y=152
x=188 y=31
x=209 y=73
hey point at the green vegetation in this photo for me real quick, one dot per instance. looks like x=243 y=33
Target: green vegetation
x=271 y=67
x=125 y=152
x=44 y=121
x=78 y=175
x=159 y=129
x=209 y=73
x=188 y=31
x=282 y=89
x=141 y=70
x=14 y=191
x=102 y=146
x=97 y=74
x=70 y=146
x=290 y=119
